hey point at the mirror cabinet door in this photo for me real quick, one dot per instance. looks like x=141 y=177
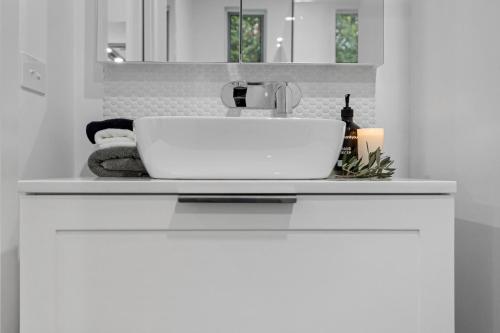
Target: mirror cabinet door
x=273 y=31
x=339 y=31
x=168 y=30
x=267 y=31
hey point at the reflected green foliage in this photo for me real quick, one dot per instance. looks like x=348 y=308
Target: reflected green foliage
x=234 y=38
x=347 y=32
x=253 y=38
x=253 y=41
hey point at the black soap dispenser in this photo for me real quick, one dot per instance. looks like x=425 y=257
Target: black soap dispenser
x=350 y=146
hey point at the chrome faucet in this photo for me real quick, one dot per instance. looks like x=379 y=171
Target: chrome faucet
x=283 y=100
x=279 y=96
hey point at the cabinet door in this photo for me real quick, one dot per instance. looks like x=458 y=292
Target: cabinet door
x=92 y=264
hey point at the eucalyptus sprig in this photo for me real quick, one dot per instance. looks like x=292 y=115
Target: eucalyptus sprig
x=378 y=167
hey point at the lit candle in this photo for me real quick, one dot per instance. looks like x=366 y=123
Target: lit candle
x=374 y=137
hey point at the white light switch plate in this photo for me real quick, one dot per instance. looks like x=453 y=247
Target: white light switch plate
x=34 y=74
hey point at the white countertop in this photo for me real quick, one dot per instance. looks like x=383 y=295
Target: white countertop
x=151 y=186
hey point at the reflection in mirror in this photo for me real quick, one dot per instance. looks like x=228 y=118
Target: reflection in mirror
x=267 y=31
x=121 y=32
x=338 y=31
x=207 y=33
x=272 y=31
x=169 y=30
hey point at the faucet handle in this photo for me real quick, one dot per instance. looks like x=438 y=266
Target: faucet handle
x=288 y=97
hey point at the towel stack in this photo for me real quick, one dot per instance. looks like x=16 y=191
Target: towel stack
x=117 y=154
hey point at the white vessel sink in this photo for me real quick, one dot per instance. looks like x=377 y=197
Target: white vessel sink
x=239 y=148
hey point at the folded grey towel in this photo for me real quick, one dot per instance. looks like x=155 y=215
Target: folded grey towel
x=117 y=162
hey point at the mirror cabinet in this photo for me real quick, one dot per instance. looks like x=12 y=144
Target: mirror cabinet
x=248 y=31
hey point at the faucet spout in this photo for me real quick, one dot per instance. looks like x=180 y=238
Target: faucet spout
x=283 y=100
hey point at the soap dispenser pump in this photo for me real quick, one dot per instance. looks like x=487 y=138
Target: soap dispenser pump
x=350 y=145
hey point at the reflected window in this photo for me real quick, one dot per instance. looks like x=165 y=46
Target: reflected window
x=347 y=37
x=253 y=37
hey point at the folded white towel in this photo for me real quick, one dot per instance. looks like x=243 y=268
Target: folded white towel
x=113 y=137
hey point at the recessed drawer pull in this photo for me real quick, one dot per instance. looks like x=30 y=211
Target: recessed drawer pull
x=233 y=199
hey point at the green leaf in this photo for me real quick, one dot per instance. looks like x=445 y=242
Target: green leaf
x=378 y=167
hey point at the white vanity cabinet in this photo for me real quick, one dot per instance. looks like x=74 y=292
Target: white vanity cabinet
x=221 y=263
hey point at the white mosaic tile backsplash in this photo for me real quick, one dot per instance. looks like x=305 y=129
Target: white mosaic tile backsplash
x=138 y=90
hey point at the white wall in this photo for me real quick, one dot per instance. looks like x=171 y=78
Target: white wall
x=393 y=84
x=455 y=88
x=36 y=131
x=46 y=122
x=9 y=92
x=1 y=144
x=88 y=88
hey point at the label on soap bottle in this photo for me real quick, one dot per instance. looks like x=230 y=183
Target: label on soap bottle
x=350 y=146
